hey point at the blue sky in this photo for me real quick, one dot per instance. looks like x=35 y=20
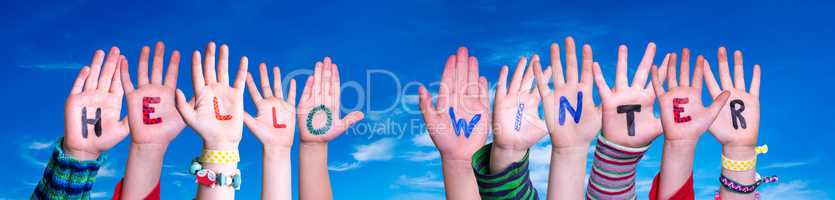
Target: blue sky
x=50 y=41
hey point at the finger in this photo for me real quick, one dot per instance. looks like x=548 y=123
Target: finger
x=527 y=79
x=335 y=84
x=541 y=82
x=712 y=85
x=142 y=69
x=556 y=64
x=621 y=81
x=185 y=108
x=425 y=101
x=473 y=76
x=462 y=57
x=278 y=91
x=253 y=91
x=327 y=75
x=352 y=118
x=586 y=77
x=684 y=78
x=95 y=67
x=78 y=84
x=570 y=61
x=173 y=70
x=209 y=64
x=156 y=68
x=642 y=73
x=671 y=72
x=307 y=93
x=250 y=121
x=546 y=75
x=265 y=80
x=482 y=91
x=223 y=65
x=657 y=84
x=240 y=78
x=446 y=88
x=124 y=73
x=698 y=73
x=109 y=68
x=116 y=84
x=717 y=104
x=317 y=79
x=197 y=73
x=662 y=70
x=501 y=88
x=755 y=81
x=516 y=81
x=739 y=71
x=724 y=72
x=602 y=87
x=291 y=94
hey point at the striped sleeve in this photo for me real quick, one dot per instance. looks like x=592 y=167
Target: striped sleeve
x=613 y=172
x=66 y=177
x=511 y=183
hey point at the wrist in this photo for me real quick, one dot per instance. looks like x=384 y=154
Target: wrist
x=270 y=150
x=739 y=152
x=80 y=154
x=680 y=145
x=514 y=154
x=571 y=150
x=223 y=146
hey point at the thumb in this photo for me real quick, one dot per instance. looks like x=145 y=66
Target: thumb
x=425 y=100
x=352 y=118
x=249 y=120
x=718 y=102
x=184 y=107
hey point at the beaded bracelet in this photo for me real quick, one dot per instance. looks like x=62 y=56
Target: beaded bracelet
x=736 y=187
x=209 y=178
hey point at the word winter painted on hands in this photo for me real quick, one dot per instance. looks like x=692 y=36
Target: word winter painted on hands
x=576 y=112
x=218 y=116
x=461 y=124
x=328 y=120
x=737 y=106
x=677 y=110
x=630 y=111
x=518 y=122
x=275 y=121
x=147 y=110
x=96 y=122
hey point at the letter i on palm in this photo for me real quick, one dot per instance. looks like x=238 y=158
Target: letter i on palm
x=516 y=120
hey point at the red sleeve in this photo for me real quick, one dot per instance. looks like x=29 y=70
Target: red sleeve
x=683 y=193
x=117 y=193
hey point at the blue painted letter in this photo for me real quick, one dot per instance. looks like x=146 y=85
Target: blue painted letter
x=575 y=112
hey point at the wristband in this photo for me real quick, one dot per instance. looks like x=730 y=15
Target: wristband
x=220 y=157
x=210 y=178
x=736 y=187
x=746 y=165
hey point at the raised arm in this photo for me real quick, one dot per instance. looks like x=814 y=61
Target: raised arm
x=684 y=119
x=216 y=114
x=577 y=123
x=274 y=126
x=319 y=115
x=738 y=124
x=629 y=127
x=459 y=123
x=91 y=127
x=153 y=118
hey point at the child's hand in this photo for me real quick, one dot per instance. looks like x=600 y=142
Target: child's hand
x=463 y=93
x=318 y=110
x=738 y=122
x=683 y=115
x=516 y=110
x=275 y=123
x=91 y=113
x=628 y=110
x=568 y=131
x=152 y=110
x=216 y=111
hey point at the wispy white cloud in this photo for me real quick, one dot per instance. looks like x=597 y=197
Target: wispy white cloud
x=423 y=140
x=380 y=150
x=178 y=173
x=784 y=165
x=540 y=164
x=420 y=156
x=37 y=145
x=106 y=171
x=344 y=166
x=792 y=190
x=98 y=195
x=428 y=181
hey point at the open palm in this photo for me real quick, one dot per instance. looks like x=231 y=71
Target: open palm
x=216 y=111
x=152 y=110
x=318 y=109
x=516 y=118
x=92 y=111
x=638 y=99
x=275 y=123
x=747 y=104
x=463 y=92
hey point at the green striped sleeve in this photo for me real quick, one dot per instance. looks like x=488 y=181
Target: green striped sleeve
x=66 y=177
x=512 y=183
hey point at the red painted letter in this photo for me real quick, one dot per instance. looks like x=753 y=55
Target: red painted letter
x=677 y=110
x=147 y=110
x=217 y=112
x=275 y=122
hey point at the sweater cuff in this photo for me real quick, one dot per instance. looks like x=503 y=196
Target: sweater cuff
x=613 y=172
x=511 y=183
x=66 y=177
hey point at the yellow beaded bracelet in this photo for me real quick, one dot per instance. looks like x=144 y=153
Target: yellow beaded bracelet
x=220 y=157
